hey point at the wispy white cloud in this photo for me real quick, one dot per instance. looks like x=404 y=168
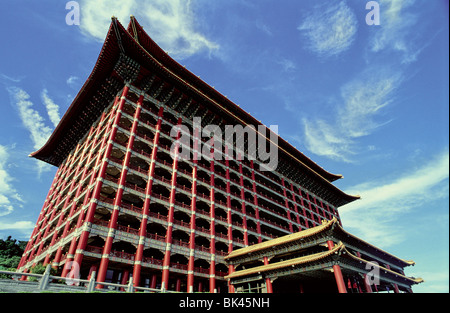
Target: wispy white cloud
x=362 y=101
x=9 y=197
x=375 y=217
x=32 y=121
x=264 y=28
x=286 y=64
x=52 y=108
x=360 y=104
x=330 y=29
x=9 y=78
x=24 y=226
x=364 y=98
x=435 y=281
x=394 y=33
x=322 y=138
x=72 y=81
x=171 y=23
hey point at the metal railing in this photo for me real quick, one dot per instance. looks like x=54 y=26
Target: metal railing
x=45 y=281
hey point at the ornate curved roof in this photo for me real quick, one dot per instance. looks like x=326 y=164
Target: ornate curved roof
x=337 y=255
x=106 y=80
x=328 y=230
x=287 y=263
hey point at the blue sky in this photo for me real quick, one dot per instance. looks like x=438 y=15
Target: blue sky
x=370 y=102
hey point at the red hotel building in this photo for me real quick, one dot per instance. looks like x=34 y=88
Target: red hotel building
x=121 y=206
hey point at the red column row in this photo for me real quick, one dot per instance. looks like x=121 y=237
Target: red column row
x=87 y=196
x=118 y=199
x=166 y=261
x=190 y=278
x=212 y=265
x=146 y=208
x=80 y=188
x=82 y=242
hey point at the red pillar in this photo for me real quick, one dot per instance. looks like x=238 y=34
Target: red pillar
x=178 y=285
x=317 y=210
x=255 y=202
x=241 y=183
x=212 y=267
x=302 y=203
x=366 y=284
x=146 y=207
x=396 y=290
x=125 y=275
x=118 y=199
x=286 y=204
x=337 y=272
x=229 y=219
x=166 y=262
x=311 y=211
x=268 y=282
x=231 y=288
x=153 y=281
x=295 y=206
x=366 y=278
x=190 y=276
x=92 y=269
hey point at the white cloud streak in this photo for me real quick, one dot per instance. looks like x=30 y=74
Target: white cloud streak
x=330 y=29
x=23 y=226
x=31 y=119
x=8 y=194
x=72 y=81
x=395 y=30
x=361 y=102
x=375 y=217
x=52 y=108
x=365 y=98
x=171 y=23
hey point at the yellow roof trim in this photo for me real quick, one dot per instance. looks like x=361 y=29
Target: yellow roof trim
x=339 y=248
x=281 y=240
x=303 y=234
x=287 y=263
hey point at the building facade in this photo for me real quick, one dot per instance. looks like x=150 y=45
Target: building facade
x=123 y=203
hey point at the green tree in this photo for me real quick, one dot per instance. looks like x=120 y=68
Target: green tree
x=11 y=251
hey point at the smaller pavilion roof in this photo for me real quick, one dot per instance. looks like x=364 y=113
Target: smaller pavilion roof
x=330 y=230
x=338 y=253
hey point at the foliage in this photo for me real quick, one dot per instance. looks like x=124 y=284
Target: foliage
x=40 y=269
x=11 y=251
